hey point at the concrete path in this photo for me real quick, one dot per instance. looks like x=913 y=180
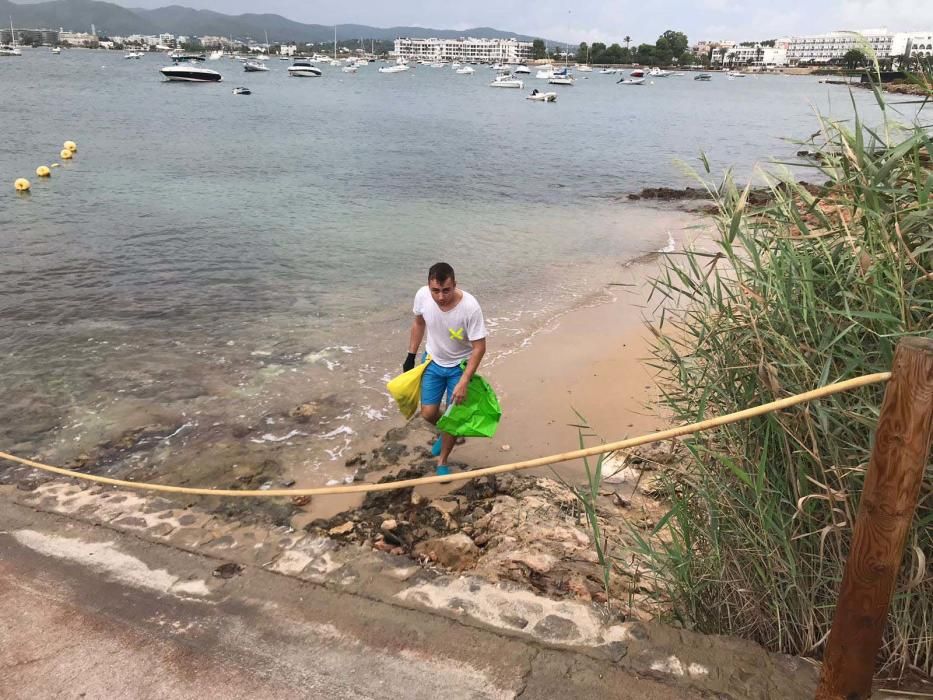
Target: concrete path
x=90 y=612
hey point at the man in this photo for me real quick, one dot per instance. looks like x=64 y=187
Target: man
x=456 y=333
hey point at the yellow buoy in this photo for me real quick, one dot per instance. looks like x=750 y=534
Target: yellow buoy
x=43 y=171
x=65 y=154
x=71 y=146
x=22 y=185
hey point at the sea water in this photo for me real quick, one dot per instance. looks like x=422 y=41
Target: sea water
x=208 y=261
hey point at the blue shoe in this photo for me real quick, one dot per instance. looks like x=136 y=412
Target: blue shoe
x=436 y=447
x=442 y=470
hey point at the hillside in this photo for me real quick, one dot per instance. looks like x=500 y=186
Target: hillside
x=111 y=19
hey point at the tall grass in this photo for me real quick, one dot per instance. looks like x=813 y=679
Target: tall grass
x=806 y=290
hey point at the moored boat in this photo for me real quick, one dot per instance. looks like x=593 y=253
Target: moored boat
x=507 y=81
x=542 y=96
x=186 y=72
x=303 y=68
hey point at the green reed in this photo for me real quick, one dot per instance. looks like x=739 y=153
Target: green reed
x=806 y=290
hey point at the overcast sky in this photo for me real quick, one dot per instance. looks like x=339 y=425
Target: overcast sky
x=599 y=20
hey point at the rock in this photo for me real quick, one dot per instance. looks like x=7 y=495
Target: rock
x=557 y=628
x=505 y=448
x=344 y=529
x=389 y=524
x=228 y=570
x=457 y=552
x=393 y=451
x=515 y=621
x=358 y=460
x=301 y=500
x=304 y=412
x=538 y=562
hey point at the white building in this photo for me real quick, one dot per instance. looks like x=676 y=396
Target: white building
x=912 y=44
x=288 y=49
x=757 y=56
x=832 y=46
x=464 y=49
x=77 y=38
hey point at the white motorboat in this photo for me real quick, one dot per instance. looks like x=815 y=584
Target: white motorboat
x=542 y=96
x=438 y=64
x=736 y=74
x=507 y=81
x=397 y=68
x=133 y=54
x=186 y=72
x=455 y=65
x=631 y=81
x=242 y=91
x=703 y=77
x=584 y=68
x=350 y=69
x=637 y=73
x=215 y=55
x=659 y=73
x=609 y=71
x=521 y=69
x=56 y=50
x=254 y=67
x=466 y=70
x=545 y=73
x=303 y=68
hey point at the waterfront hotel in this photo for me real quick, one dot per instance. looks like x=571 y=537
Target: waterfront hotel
x=467 y=49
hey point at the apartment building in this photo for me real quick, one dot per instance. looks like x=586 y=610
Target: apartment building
x=832 y=46
x=465 y=49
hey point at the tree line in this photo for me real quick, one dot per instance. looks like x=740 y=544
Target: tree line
x=671 y=47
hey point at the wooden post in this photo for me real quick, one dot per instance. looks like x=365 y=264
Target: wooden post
x=886 y=509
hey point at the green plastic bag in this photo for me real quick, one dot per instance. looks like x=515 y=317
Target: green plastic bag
x=477 y=416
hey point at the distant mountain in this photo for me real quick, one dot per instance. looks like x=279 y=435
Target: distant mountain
x=111 y=19
x=77 y=16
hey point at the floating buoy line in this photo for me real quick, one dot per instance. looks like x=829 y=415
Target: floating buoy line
x=69 y=148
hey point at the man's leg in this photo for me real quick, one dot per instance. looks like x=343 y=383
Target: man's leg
x=448 y=441
x=447 y=444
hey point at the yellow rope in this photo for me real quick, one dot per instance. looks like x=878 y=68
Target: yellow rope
x=473 y=474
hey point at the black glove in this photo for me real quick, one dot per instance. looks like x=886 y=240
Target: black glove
x=409 y=362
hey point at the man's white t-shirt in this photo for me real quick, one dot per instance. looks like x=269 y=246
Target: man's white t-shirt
x=450 y=333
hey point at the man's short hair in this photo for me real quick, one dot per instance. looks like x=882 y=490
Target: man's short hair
x=441 y=272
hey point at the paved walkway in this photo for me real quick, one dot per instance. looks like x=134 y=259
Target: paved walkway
x=112 y=594
x=97 y=614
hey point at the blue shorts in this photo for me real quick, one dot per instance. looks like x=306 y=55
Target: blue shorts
x=436 y=380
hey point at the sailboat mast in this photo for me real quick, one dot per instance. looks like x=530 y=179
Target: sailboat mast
x=335 y=42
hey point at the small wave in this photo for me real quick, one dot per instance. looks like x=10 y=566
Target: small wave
x=373 y=413
x=269 y=437
x=671 y=244
x=342 y=430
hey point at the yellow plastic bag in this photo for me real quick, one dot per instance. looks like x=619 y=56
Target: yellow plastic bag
x=406 y=389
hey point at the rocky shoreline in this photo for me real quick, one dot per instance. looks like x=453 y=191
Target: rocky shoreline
x=514 y=527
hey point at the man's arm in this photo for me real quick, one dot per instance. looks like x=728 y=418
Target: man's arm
x=476 y=356
x=414 y=342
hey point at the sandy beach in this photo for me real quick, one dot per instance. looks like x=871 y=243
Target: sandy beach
x=592 y=359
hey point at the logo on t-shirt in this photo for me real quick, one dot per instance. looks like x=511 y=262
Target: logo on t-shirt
x=455 y=334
